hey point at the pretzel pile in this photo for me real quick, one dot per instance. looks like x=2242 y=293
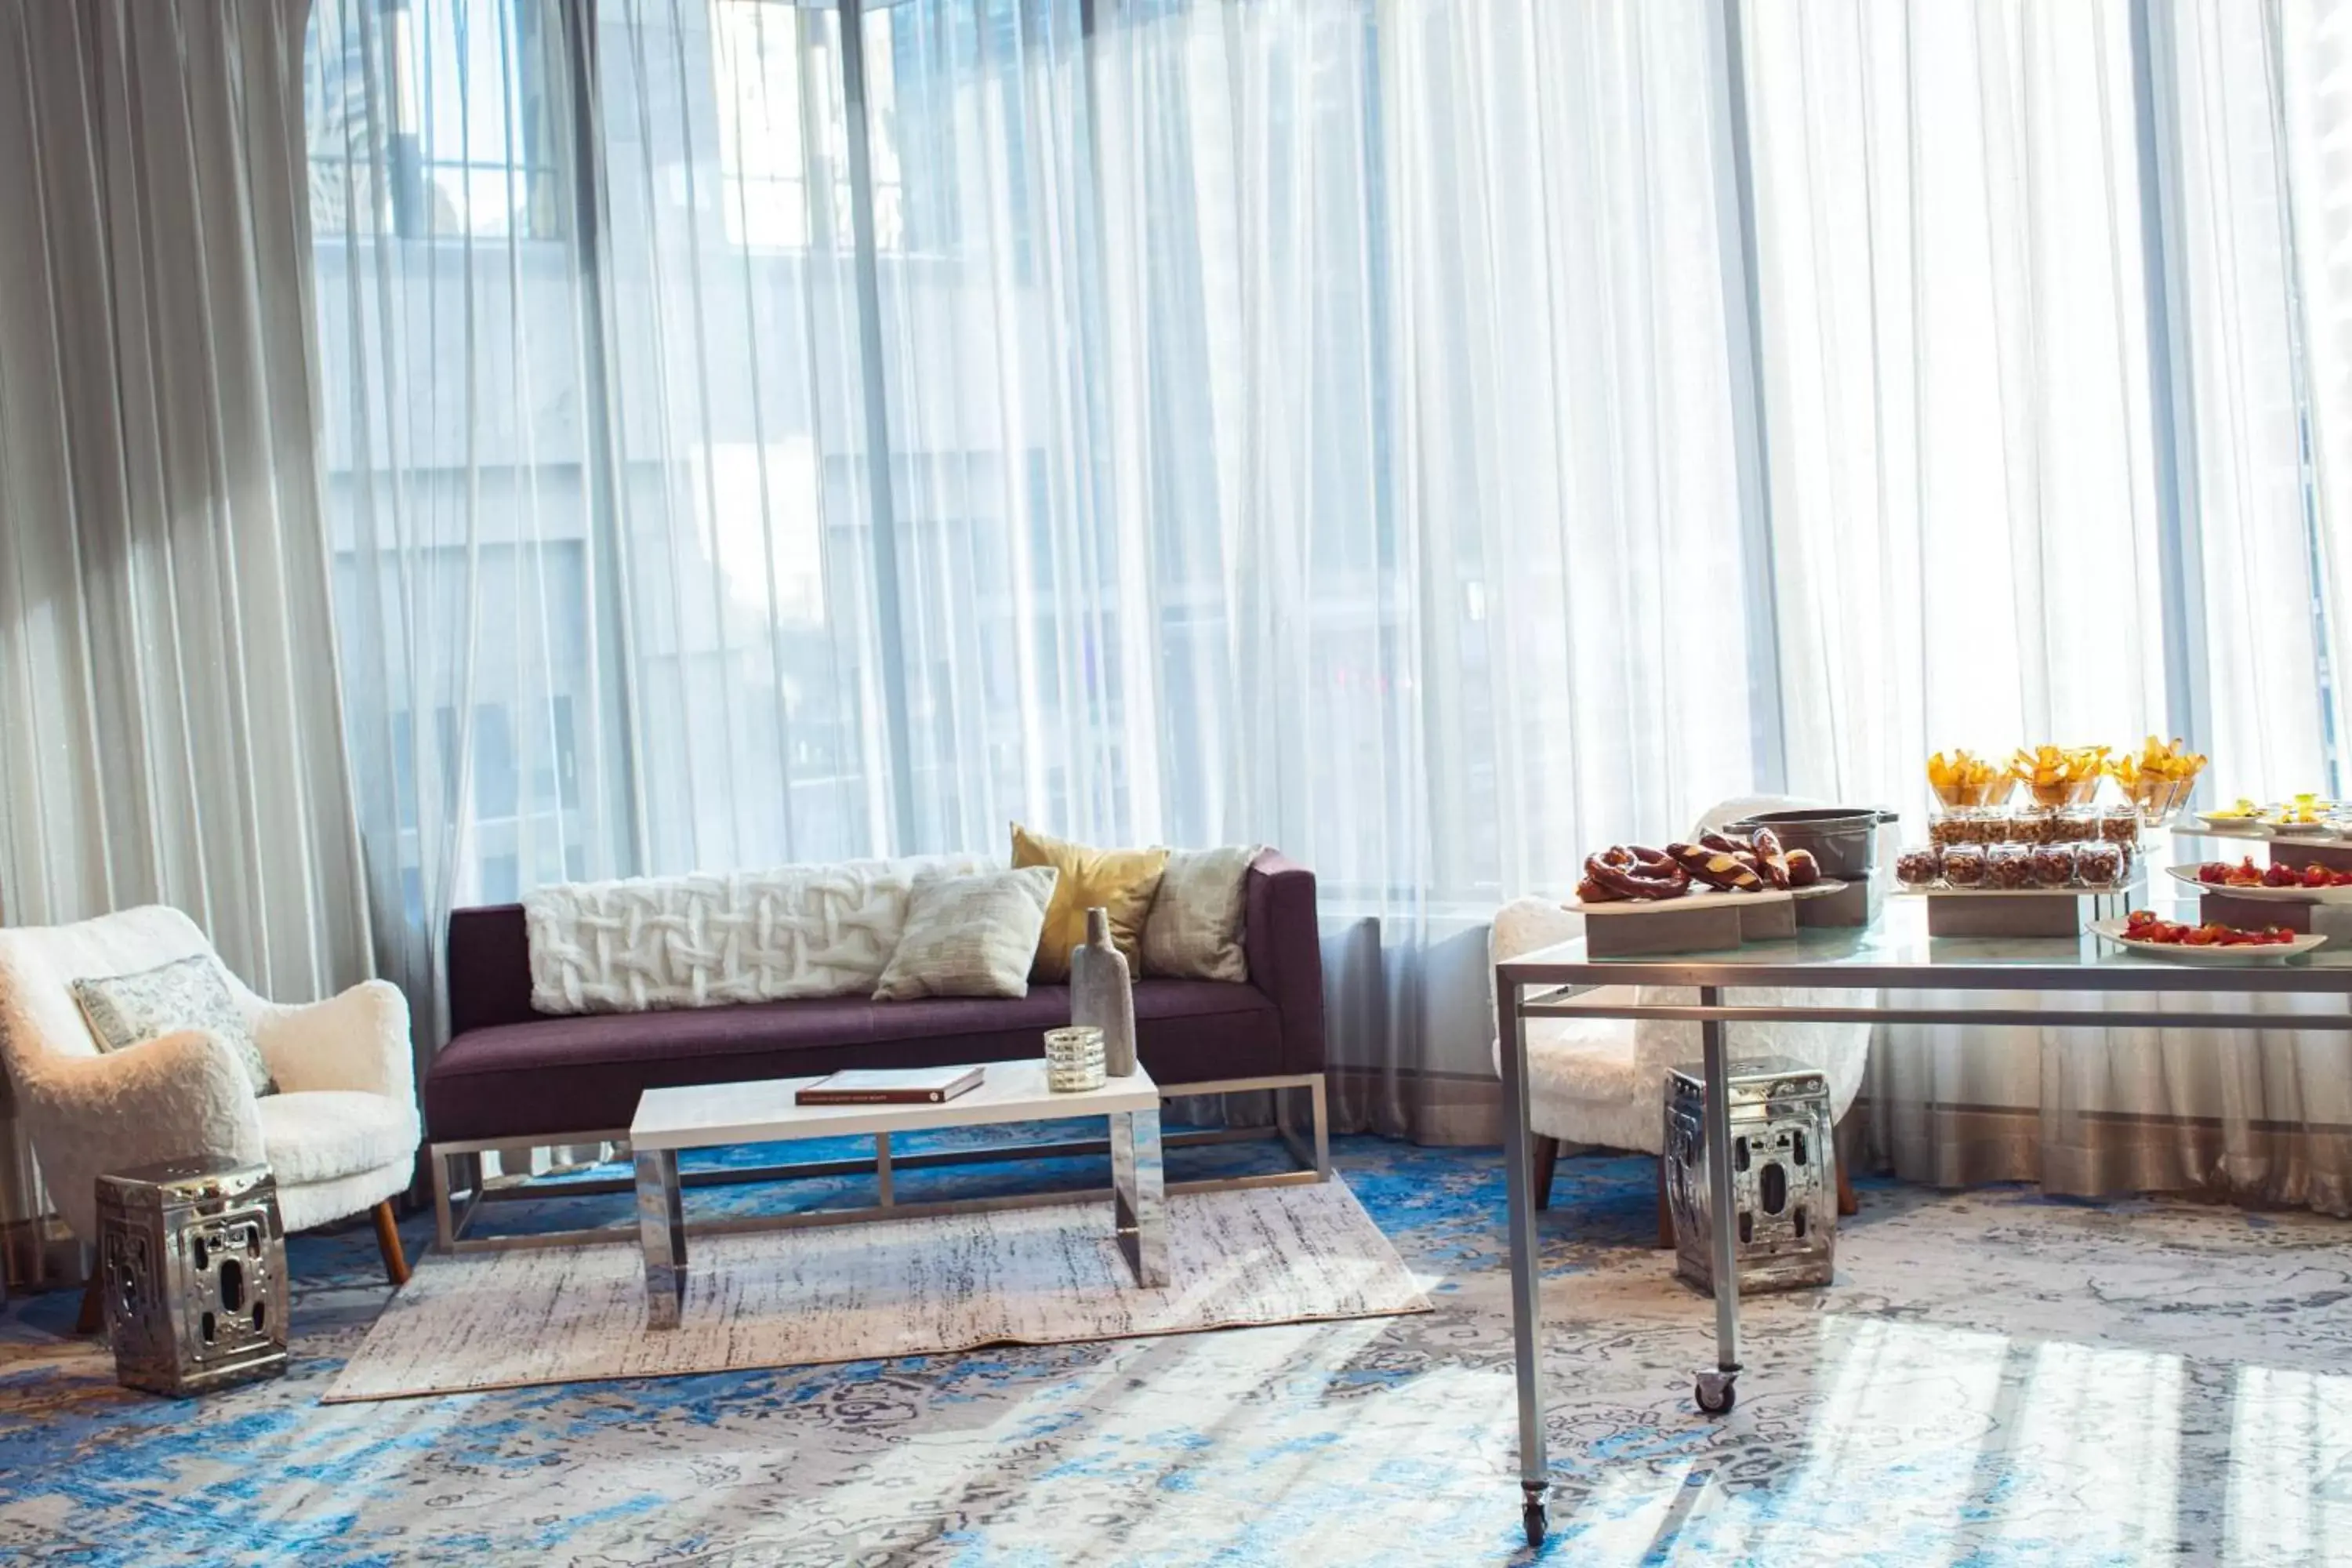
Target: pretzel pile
x=1718 y=862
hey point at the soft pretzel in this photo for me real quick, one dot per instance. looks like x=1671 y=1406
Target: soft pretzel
x=1803 y=870
x=1716 y=868
x=1631 y=871
x=1770 y=858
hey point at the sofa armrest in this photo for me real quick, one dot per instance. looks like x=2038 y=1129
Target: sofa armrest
x=1285 y=946
x=357 y=1040
x=178 y=1096
x=488 y=963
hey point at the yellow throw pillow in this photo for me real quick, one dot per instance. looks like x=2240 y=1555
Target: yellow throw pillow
x=1123 y=881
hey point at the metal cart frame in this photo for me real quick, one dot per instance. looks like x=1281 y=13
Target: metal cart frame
x=1895 y=954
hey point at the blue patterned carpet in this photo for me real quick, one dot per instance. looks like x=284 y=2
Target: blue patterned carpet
x=1996 y=1379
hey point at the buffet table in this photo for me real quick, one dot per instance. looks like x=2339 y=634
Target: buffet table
x=1894 y=954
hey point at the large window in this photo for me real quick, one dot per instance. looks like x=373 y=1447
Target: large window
x=830 y=428
x=438 y=121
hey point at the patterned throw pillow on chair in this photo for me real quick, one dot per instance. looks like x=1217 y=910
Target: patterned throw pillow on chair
x=126 y=1010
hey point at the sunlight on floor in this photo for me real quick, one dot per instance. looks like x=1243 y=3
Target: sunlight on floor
x=2290 y=1452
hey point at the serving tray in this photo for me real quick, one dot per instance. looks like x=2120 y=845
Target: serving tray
x=2219 y=957
x=2186 y=877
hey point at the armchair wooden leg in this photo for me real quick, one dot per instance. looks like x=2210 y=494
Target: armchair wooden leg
x=1547 y=1161
x=387 y=1241
x=92 y=1316
x=1665 y=1212
x=1847 y=1205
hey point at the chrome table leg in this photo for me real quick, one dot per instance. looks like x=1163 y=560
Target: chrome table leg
x=1527 y=1303
x=1716 y=1389
x=661 y=1232
x=1139 y=1194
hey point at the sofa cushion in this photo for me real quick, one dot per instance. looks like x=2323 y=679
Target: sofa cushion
x=576 y=1074
x=321 y=1135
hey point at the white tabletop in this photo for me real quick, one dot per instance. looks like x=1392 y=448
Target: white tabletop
x=701 y=1116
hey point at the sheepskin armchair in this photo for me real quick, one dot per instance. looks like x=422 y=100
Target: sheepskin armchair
x=341 y=1133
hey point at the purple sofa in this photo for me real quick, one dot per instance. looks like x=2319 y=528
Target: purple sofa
x=514 y=1077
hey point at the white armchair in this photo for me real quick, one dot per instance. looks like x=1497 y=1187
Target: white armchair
x=1601 y=1082
x=341 y=1135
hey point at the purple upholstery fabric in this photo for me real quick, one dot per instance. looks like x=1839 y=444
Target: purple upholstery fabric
x=510 y=1072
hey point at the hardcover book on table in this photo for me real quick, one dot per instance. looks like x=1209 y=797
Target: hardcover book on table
x=891 y=1086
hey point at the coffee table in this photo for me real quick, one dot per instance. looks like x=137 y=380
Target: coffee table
x=709 y=1116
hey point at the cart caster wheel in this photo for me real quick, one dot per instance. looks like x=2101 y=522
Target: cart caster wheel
x=1537 y=1522
x=1716 y=1392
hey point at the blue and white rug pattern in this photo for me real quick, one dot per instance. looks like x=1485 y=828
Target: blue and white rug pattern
x=1996 y=1379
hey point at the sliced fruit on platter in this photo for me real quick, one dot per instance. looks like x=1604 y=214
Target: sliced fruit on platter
x=2146 y=925
x=2246 y=874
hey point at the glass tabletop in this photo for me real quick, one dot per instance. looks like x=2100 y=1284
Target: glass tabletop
x=1896 y=952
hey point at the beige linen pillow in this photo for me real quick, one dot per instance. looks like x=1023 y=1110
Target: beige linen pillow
x=970 y=936
x=1194 y=930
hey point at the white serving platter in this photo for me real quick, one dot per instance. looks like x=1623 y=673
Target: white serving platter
x=2208 y=826
x=2219 y=957
x=1693 y=899
x=2187 y=876
x=2256 y=830
x=1712 y=898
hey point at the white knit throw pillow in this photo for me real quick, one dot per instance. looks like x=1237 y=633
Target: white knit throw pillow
x=715 y=940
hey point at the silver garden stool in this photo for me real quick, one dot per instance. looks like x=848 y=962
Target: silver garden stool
x=193 y=1258
x=1783 y=1175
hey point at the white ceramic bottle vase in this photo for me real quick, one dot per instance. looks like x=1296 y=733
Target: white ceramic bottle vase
x=1101 y=996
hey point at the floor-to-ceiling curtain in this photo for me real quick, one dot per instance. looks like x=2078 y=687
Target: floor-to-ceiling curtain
x=170 y=727
x=1251 y=443
x=595 y=496
x=757 y=442
x=1981 y=454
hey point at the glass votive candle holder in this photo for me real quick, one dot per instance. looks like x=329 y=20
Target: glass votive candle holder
x=1074 y=1059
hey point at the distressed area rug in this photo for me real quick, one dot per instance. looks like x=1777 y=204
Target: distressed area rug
x=869 y=1291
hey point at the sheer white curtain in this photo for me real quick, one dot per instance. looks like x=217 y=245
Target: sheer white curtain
x=1282 y=451
x=168 y=727
x=2264 y=97
x=1964 y=517
x=595 y=481
x=1277 y=449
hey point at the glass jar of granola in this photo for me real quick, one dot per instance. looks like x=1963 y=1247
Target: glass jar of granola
x=1919 y=867
x=2053 y=866
x=2009 y=867
x=2102 y=866
x=1964 y=865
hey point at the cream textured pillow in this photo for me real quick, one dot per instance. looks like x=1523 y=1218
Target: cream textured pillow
x=126 y=1010
x=1194 y=931
x=970 y=936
